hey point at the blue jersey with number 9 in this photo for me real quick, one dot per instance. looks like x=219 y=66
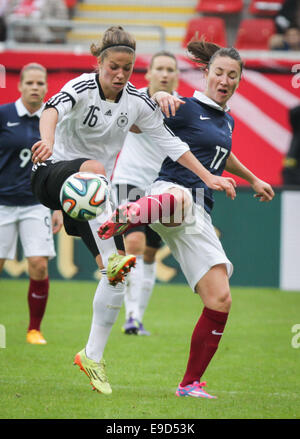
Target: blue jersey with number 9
x=17 y=135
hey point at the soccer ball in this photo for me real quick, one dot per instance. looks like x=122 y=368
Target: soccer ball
x=83 y=196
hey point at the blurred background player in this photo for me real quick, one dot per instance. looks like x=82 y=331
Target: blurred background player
x=21 y=215
x=288 y=40
x=288 y=16
x=136 y=168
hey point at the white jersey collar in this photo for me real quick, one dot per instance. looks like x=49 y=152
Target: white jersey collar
x=206 y=100
x=146 y=90
x=22 y=110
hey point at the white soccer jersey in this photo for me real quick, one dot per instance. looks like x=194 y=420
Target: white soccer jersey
x=141 y=154
x=91 y=127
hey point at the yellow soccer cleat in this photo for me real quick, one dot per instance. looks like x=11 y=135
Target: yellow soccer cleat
x=118 y=266
x=35 y=337
x=95 y=372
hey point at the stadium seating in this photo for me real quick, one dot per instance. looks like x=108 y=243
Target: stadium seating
x=71 y=3
x=212 y=28
x=254 y=33
x=219 y=6
x=265 y=7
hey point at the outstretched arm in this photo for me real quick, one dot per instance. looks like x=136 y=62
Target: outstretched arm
x=262 y=190
x=215 y=182
x=167 y=102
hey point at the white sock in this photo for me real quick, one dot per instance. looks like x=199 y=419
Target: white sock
x=107 y=303
x=147 y=288
x=133 y=288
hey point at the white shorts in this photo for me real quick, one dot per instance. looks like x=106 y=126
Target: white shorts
x=194 y=244
x=32 y=224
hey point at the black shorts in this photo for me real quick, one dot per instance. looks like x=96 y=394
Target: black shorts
x=133 y=193
x=47 y=179
x=46 y=182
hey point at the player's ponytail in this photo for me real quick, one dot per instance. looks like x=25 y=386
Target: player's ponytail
x=201 y=51
x=114 y=38
x=204 y=52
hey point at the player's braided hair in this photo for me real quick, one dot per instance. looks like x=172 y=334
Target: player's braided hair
x=114 y=38
x=204 y=53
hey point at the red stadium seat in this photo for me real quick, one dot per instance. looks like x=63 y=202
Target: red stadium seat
x=212 y=28
x=219 y=6
x=71 y=3
x=265 y=7
x=254 y=33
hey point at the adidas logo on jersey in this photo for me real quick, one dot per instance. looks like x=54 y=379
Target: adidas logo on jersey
x=108 y=113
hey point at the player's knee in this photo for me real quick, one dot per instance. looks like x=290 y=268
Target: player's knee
x=216 y=298
x=135 y=243
x=224 y=300
x=38 y=268
x=92 y=166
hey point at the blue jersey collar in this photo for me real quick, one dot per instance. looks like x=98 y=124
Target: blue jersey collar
x=206 y=100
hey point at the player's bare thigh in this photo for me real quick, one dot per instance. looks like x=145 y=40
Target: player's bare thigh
x=92 y=166
x=214 y=290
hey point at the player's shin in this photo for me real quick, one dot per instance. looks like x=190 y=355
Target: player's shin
x=133 y=289
x=132 y=297
x=147 y=288
x=204 y=343
x=107 y=303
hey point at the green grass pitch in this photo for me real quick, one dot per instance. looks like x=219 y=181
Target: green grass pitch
x=255 y=372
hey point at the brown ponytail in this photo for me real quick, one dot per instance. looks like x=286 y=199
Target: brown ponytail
x=201 y=51
x=204 y=52
x=114 y=38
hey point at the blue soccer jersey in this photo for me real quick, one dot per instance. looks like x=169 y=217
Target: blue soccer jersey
x=207 y=129
x=18 y=132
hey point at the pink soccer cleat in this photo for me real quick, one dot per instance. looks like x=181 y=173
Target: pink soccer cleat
x=121 y=219
x=195 y=390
